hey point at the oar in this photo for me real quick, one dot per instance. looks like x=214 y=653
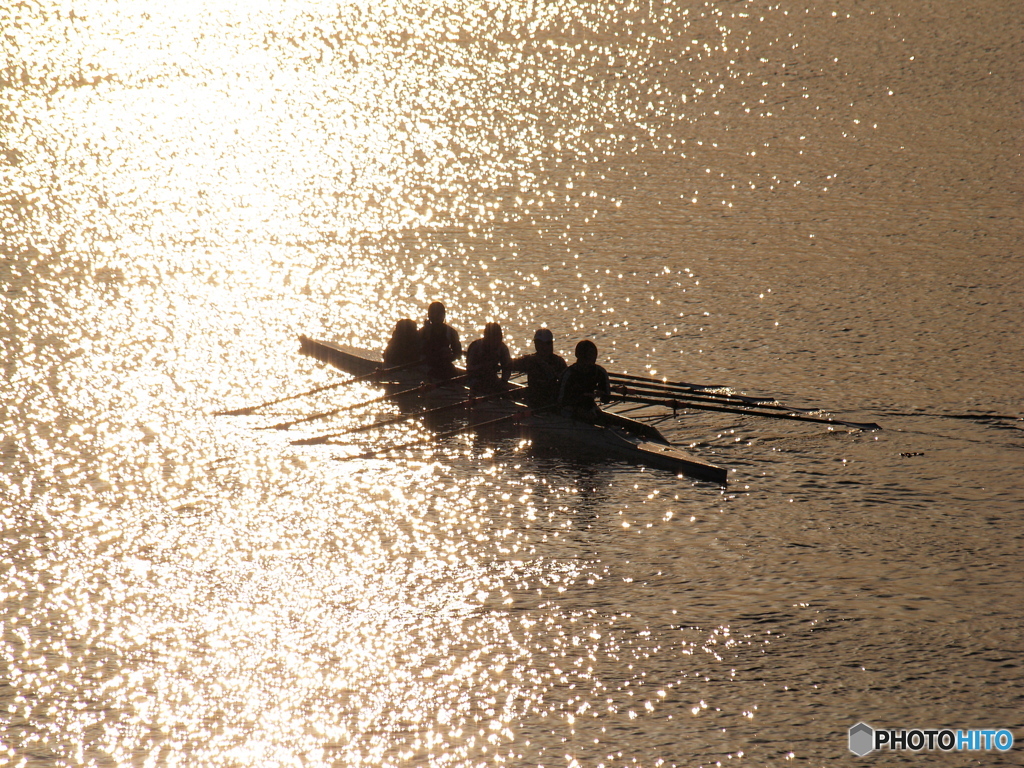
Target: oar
x=679 y=384
x=677 y=405
x=443 y=435
x=679 y=388
x=389 y=396
x=380 y=372
x=650 y=390
x=399 y=419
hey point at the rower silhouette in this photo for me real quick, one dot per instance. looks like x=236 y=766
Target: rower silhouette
x=439 y=344
x=582 y=383
x=488 y=362
x=404 y=348
x=543 y=370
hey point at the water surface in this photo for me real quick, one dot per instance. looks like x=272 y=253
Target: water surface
x=818 y=203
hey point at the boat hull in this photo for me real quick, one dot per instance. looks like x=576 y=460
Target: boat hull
x=615 y=436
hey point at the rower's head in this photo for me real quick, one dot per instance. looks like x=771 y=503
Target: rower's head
x=544 y=340
x=586 y=351
x=492 y=333
x=436 y=312
x=405 y=329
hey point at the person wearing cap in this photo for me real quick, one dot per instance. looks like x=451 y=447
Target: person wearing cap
x=439 y=344
x=583 y=382
x=543 y=370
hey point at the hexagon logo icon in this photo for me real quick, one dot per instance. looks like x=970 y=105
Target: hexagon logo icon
x=862 y=739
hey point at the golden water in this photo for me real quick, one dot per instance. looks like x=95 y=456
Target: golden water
x=817 y=202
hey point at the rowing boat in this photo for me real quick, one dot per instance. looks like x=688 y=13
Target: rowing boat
x=616 y=436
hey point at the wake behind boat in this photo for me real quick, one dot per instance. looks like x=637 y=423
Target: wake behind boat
x=615 y=437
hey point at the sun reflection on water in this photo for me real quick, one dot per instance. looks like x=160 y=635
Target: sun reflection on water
x=195 y=183
x=377 y=616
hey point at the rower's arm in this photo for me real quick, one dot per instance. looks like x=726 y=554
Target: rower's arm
x=473 y=364
x=506 y=363
x=455 y=344
x=604 y=385
x=563 y=386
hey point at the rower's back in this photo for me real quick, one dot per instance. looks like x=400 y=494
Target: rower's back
x=404 y=348
x=439 y=343
x=583 y=382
